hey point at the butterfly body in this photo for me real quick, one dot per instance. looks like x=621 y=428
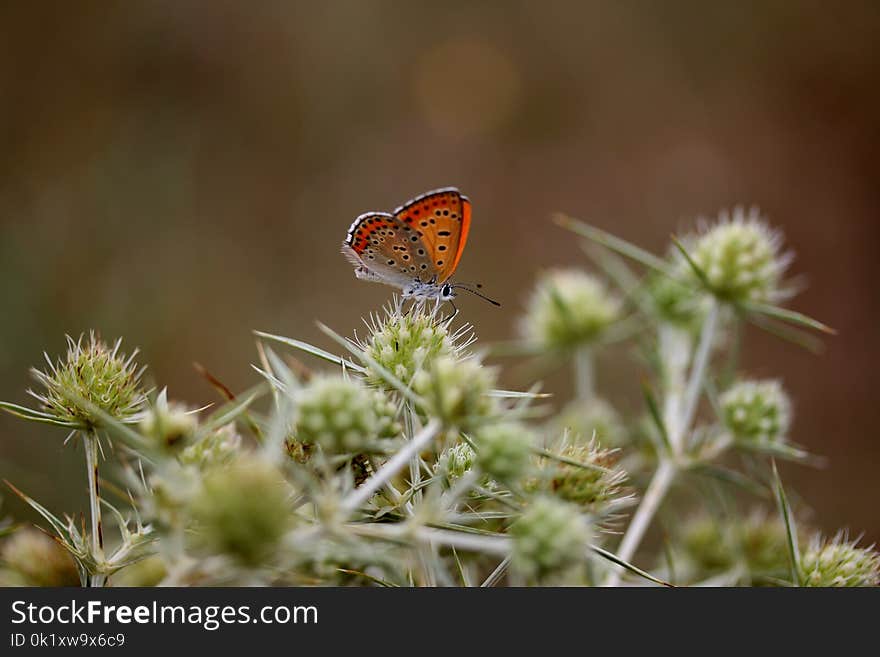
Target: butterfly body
x=416 y=248
x=414 y=289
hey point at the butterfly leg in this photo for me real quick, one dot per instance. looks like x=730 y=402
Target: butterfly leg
x=448 y=320
x=412 y=305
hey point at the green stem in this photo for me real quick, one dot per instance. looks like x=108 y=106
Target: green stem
x=675 y=349
x=667 y=470
x=698 y=375
x=496 y=575
x=415 y=470
x=656 y=491
x=584 y=374
x=90 y=440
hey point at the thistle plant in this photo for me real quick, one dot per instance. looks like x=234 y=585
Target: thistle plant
x=692 y=302
x=92 y=385
x=394 y=458
x=215 y=447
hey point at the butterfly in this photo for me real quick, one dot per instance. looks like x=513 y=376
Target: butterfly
x=416 y=248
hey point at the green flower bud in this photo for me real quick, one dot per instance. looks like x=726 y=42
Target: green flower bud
x=504 y=450
x=38 y=560
x=243 y=510
x=97 y=374
x=455 y=462
x=456 y=391
x=740 y=257
x=342 y=416
x=386 y=415
x=551 y=536
x=839 y=562
x=756 y=411
x=568 y=309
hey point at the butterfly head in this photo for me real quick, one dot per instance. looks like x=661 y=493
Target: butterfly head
x=429 y=291
x=447 y=292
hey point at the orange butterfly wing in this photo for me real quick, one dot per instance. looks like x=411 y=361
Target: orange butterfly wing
x=462 y=240
x=442 y=220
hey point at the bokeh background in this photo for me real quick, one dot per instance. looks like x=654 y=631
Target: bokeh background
x=180 y=173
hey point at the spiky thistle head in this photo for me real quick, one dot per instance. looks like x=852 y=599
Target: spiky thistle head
x=456 y=391
x=92 y=375
x=504 y=449
x=549 y=537
x=756 y=411
x=569 y=309
x=403 y=343
x=585 y=474
x=343 y=416
x=741 y=258
x=242 y=510
x=839 y=562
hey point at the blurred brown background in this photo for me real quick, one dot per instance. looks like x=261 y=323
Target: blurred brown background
x=180 y=173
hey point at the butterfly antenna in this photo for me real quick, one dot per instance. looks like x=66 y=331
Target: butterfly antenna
x=462 y=286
